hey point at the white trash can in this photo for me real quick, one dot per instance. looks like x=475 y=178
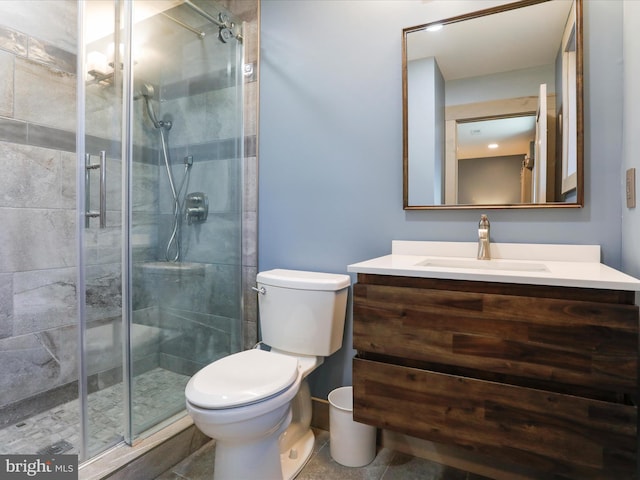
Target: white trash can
x=352 y=444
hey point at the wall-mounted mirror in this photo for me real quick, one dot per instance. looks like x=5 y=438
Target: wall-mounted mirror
x=492 y=108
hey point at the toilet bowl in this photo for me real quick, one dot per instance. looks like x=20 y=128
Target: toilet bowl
x=256 y=404
x=260 y=423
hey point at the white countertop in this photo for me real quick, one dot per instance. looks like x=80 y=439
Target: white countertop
x=534 y=264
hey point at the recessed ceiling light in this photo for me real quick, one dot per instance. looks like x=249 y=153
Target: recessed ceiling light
x=493 y=145
x=435 y=27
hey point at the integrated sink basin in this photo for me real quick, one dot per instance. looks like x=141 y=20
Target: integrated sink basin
x=471 y=263
x=531 y=264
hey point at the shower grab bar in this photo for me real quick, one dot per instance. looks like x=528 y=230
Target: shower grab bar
x=102 y=212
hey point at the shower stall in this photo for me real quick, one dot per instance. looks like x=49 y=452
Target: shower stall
x=132 y=165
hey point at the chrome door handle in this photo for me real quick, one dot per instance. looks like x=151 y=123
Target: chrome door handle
x=102 y=212
x=261 y=290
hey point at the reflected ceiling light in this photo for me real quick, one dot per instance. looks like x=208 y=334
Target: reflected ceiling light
x=436 y=27
x=493 y=145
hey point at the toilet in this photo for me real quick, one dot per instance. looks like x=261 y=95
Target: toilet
x=256 y=404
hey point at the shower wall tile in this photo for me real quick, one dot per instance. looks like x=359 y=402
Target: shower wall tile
x=38 y=362
x=221 y=114
x=103 y=291
x=27 y=359
x=33 y=405
x=41 y=51
x=249 y=239
x=33 y=239
x=179 y=365
x=6 y=304
x=215 y=150
x=145 y=191
x=203 y=117
x=196 y=340
x=184 y=291
x=191 y=124
x=103 y=114
x=104 y=245
x=55 y=22
x=6 y=83
x=249 y=307
x=32 y=176
x=199 y=83
x=219 y=179
x=229 y=199
x=44 y=299
x=12 y=41
x=24 y=133
x=51 y=138
x=62 y=344
x=251 y=146
x=68 y=172
x=54 y=104
x=222 y=230
x=13 y=131
x=174 y=320
x=250 y=190
x=225 y=289
x=198 y=343
x=144 y=236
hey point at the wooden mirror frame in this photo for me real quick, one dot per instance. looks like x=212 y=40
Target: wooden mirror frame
x=579 y=200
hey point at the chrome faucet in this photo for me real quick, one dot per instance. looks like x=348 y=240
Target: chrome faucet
x=484 y=252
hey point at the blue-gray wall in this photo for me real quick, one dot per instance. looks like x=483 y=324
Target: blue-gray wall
x=330 y=182
x=631 y=217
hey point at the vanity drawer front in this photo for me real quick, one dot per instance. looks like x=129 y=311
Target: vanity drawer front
x=577 y=437
x=577 y=342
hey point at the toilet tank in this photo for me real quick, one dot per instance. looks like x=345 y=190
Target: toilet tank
x=302 y=312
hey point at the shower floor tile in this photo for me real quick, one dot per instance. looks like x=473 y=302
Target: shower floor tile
x=158 y=388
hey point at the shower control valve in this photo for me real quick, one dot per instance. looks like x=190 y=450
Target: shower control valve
x=197 y=207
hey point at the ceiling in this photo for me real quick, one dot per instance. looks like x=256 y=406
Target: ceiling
x=494 y=43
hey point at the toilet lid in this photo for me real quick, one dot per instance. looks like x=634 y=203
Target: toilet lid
x=242 y=378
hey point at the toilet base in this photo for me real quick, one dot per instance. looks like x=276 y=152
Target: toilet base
x=294 y=460
x=258 y=459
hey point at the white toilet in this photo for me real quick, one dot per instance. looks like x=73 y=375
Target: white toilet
x=256 y=404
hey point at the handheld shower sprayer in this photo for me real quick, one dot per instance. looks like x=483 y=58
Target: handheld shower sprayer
x=147 y=91
x=173 y=252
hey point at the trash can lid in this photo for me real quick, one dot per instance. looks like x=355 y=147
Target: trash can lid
x=342 y=398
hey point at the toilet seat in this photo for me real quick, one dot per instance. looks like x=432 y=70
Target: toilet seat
x=241 y=379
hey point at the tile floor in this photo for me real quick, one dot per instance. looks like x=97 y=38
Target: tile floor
x=62 y=424
x=388 y=465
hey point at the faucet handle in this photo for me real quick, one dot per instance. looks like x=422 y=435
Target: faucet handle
x=484 y=221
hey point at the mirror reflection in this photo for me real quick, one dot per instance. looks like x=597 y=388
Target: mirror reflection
x=493 y=108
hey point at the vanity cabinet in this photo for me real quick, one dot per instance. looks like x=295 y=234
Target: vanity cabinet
x=542 y=376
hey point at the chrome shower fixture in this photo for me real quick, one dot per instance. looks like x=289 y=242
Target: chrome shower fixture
x=147 y=91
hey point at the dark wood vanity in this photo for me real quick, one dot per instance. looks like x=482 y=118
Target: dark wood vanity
x=541 y=376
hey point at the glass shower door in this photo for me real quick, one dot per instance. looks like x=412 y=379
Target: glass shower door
x=160 y=208
x=186 y=201
x=102 y=391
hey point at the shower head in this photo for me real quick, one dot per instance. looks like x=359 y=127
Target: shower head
x=147 y=91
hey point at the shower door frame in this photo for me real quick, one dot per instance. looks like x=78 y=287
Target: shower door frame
x=122 y=9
